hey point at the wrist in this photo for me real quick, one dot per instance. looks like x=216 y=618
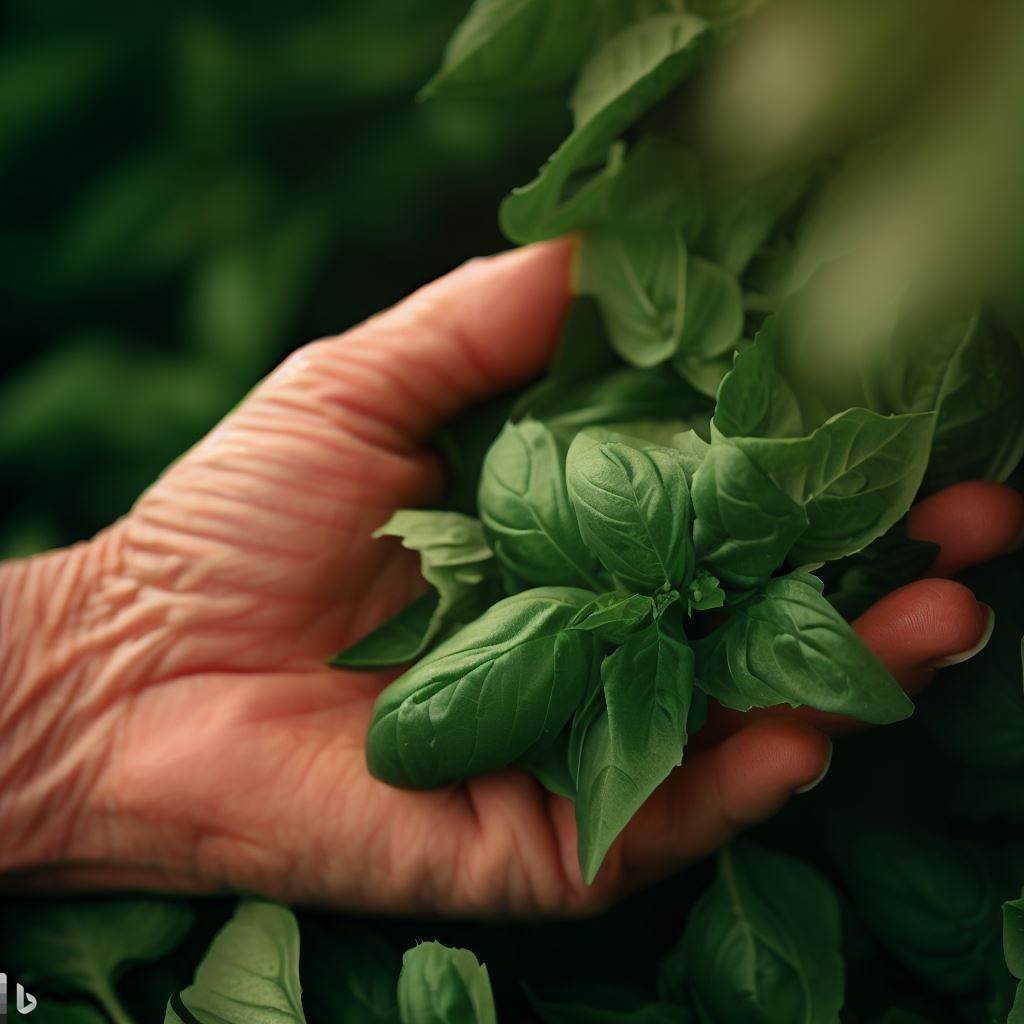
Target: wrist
x=53 y=632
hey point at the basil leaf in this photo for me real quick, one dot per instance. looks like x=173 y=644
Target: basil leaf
x=935 y=903
x=788 y=645
x=526 y=513
x=756 y=399
x=83 y=945
x=1016 y=1015
x=1013 y=936
x=1013 y=950
x=712 y=326
x=714 y=312
x=856 y=473
x=854 y=583
x=634 y=511
x=638 y=277
x=693 y=449
x=510 y=46
x=762 y=945
x=614 y=616
x=402 y=638
x=739 y=218
x=703 y=374
x=502 y=685
x=963 y=366
x=456 y=561
x=583 y=351
x=349 y=972
x=704 y=593
x=620 y=82
x=656 y=184
x=856 y=476
x=630 y=739
x=745 y=524
x=444 y=986
x=550 y=765
x=250 y=974
x=979 y=397
x=621 y=396
x=657 y=301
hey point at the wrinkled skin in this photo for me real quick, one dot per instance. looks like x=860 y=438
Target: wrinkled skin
x=166 y=719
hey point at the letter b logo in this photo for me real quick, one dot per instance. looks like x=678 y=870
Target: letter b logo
x=25 y=1001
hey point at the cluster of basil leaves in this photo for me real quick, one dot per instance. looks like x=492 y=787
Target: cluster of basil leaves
x=562 y=630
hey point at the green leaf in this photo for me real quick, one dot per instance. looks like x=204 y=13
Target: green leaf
x=621 y=82
x=961 y=365
x=788 y=645
x=756 y=399
x=1013 y=936
x=745 y=524
x=856 y=476
x=762 y=945
x=621 y=396
x=714 y=312
x=856 y=473
x=629 y=738
x=550 y=765
x=402 y=638
x=1016 y=1015
x=854 y=583
x=739 y=218
x=704 y=593
x=526 y=513
x=693 y=449
x=583 y=351
x=936 y=904
x=512 y=46
x=633 y=507
x=349 y=972
x=615 y=616
x=456 y=561
x=250 y=974
x=82 y=945
x=638 y=277
x=502 y=685
x=979 y=397
x=444 y=986
x=657 y=302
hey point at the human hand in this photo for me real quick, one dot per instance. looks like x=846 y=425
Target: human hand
x=166 y=717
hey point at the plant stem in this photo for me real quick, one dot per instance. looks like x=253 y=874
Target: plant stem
x=112 y=1005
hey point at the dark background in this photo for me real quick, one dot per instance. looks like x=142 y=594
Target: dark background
x=190 y=190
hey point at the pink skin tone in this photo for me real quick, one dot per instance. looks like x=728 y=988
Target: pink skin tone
x=165 y=714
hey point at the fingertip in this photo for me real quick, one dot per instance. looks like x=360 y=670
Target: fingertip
x=785 y=755
x=920 y=626
x=972 y=522
x=506 y=309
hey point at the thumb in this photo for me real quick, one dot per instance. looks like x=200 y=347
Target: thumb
x=487 y=327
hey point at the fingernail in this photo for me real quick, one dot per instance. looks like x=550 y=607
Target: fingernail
x=986 y=635
x=824 y=771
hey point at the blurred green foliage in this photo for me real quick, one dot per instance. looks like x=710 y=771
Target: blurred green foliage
x=194 y=188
